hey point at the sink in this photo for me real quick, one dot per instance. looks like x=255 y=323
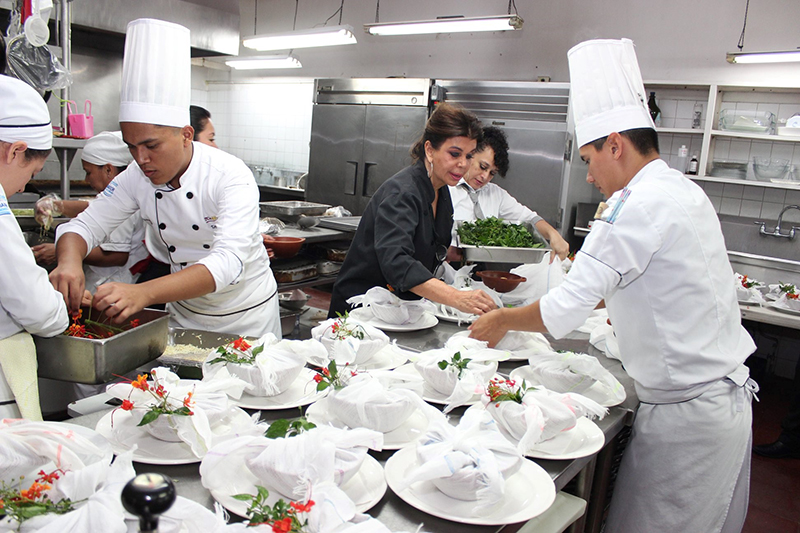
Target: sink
x=764 y=258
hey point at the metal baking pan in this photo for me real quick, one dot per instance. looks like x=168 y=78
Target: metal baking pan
x=292 y=208
x=502 y=254
x=95 y=361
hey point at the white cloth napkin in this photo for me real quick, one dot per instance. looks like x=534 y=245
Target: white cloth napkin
x=349 y=350
x=25 y=446
x=604 y=339
x=214 y=418
x=542 y=415
x=573 y=372
x=379 y=303
x=751 y=295
x=596 y=318
x=540 y=278
x=274 y=369
x=470 y=461
x=522 y=344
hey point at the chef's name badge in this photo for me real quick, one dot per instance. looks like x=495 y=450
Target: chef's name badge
x=609 y=210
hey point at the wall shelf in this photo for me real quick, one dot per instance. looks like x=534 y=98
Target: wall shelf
x=682 y=131
x=748 y=183
x=755 y=136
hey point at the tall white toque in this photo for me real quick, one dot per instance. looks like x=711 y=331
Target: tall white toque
x=606 y=90
x=156 y=74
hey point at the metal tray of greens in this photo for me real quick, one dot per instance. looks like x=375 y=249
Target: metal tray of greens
x=507 y=241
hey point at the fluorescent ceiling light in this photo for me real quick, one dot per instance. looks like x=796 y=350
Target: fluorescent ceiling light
x=785 y=56
x=446 y=25
x=324 y=36
x=254 y=63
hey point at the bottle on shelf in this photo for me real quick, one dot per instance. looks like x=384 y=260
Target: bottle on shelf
x=683 y=157
x=655 y=111
x=691 y=170
x=697 y=116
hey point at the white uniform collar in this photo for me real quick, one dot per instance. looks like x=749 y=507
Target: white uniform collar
x=653 y=167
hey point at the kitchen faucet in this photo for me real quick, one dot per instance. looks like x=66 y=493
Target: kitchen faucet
x=777 y=231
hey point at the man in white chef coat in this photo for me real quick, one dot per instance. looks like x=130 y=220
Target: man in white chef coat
x=28 y=303
x=200 y=202
x=657 y=257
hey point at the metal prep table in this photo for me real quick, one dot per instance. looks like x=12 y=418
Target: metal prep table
x=391 y=510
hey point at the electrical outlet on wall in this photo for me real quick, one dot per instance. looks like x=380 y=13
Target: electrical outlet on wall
x=543 y=78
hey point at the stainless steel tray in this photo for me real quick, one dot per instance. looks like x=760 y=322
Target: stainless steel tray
x=95 y=361
x=291 y=208
x=502 y=254
x=202 y=341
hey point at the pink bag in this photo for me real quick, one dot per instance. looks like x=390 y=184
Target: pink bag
x=81 y=125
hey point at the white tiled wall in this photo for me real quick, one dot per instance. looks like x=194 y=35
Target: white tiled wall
x=752 y=201
x=263 y=123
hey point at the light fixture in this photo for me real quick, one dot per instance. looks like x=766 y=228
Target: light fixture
x=446 y=25
x=784 y=56
x=262 y=62
x=324 y=36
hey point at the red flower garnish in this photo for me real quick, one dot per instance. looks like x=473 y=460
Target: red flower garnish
x=241 y=344
x=140 y=382
x=187 y=402
x=317 y=377
x=301 y=508
x=127 y=405
x=135 y=323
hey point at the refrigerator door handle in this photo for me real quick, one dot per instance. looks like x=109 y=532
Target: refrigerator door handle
x=365 y=184
x=351 y=179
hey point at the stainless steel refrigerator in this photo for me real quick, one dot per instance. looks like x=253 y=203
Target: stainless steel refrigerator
x=361 y=133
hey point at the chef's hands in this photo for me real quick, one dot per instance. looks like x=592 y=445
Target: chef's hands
x=45 y=254
x=560 y=247
x=474 y=302
x=267 y=240
x=120 y=300
x=70 y=282
x=489 y=327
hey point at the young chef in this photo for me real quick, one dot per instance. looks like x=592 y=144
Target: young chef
x=476 y=197
x=103 y=157
x=657 y=257
x=405 y=231
x=28 y=303
x=199 y=201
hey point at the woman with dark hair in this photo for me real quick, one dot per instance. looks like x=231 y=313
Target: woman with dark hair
x=405 y=230
x=200 y=119
x=475 y=196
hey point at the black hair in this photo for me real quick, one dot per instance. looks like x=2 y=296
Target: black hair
x=495 y=138
x=198 y=118
x=31 y=154
x=121 y=169
x=645 y=140
x=445 y=122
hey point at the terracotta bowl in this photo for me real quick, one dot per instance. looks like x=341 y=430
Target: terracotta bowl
x=285 y=247
x=500 y=281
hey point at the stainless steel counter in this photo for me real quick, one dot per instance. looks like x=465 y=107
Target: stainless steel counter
x=391 y=510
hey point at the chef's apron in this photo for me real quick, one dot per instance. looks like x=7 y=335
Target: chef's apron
x=19 y=386
x=253 y=322
x=693 y=458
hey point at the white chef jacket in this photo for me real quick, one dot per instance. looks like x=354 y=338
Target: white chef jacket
x=212 y=219
x=657 y=256
x=128 y=237
x=28 y=302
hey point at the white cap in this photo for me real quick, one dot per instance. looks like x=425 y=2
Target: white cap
x=156 y=74
x=24 y=115
x=606 y=89
x=107 y=147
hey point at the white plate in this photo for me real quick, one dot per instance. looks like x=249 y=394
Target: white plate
x=365 y=488
x=597 y=392
x=447 y=317
x=302 y=391
x=387 y=358
x=787 y=310
x=431 y=395
x=528 y=493
x=426 y=321
x=409 y=431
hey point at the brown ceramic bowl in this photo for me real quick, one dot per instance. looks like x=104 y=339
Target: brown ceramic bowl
x=285 y=247
x=500 y=281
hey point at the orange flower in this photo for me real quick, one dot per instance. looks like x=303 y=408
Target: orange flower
x=141 y=382
x=127 y=405
x=187 y=402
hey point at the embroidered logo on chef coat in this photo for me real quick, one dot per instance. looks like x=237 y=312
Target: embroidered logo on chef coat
x=211 y=221
x=110 y=188
x=615 y=204
x=4 y=209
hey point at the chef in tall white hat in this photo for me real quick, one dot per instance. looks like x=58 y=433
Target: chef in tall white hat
x=656 y=255
x=28 y=303
x=201 y=203
x=103 y=157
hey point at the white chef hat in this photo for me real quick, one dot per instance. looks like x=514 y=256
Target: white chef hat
x=24 y=115
x=156 y=74
x=606 y=89
x=107 y=147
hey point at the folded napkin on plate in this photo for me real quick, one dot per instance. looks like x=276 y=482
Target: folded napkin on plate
x=470 y=461
x=213 y=417
x=751 y=293
x=459 y=386
x=381 y=402
x=277 y=364
x=573 y=372
x=542 y=415
x=25 y=446
x=785 y=302
x=541 y=277
x=381 y=304
x=349 y=341
x=522 y=344
x=460 y=279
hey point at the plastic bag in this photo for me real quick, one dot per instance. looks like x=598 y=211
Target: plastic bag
x=338 y=211
x=46 y=209
x=36 y=65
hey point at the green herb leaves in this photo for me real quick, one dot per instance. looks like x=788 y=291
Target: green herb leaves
x=456 y=362
x=494 y=232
